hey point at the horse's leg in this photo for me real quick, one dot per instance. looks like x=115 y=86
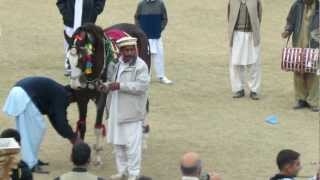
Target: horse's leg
x=146 y=127
x=81 y=124
x=100 y=103
x=100 y=129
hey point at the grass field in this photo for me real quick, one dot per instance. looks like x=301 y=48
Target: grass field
x=197 y=113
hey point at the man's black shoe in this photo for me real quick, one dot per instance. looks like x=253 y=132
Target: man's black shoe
x=301 y=104
x=38 y=169
x=254 y=96
x=239 y=94
x=41 y=163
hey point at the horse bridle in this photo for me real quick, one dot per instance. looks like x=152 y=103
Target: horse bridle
x=92 y=84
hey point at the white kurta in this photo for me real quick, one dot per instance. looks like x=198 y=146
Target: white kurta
x=243 y=51
x=245 y=57
x=157 y=56
x=29 y=122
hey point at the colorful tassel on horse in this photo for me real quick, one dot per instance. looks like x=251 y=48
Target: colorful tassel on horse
x=88 y=57
x=89 y=48
x=88 y=69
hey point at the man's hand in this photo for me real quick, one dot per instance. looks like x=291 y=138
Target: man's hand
x=285 y=34
x=76 y=140
x=103 y=87
x=114 y=86
x=215 y=176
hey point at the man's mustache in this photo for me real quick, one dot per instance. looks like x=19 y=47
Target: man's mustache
x=129 y=58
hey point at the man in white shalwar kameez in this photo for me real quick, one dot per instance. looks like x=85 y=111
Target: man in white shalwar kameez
x=126 y=103
x=244 y=17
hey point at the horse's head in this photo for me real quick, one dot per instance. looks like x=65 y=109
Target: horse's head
x=86 y=56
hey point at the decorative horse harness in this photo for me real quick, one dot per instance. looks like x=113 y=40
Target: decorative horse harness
x=88 y=48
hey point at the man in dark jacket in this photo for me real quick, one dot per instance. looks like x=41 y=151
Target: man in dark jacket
x=28 y=101
x=303 y=18
x=75 y=13
x=151 y=17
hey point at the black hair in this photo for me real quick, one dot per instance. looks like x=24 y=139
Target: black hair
x=11 y=133
x=286 y=157
x=80 y=154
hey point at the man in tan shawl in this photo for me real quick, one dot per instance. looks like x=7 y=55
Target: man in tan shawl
x=244 y=17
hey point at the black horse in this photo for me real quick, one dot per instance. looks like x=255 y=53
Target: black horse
x=90 y=52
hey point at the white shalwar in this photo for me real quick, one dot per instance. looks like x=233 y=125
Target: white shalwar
x=29 y=122
x=126 y=138
x=157 y=56
x=77 y=20
x=245 y=57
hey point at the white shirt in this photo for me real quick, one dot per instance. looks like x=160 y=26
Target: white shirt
x=77 y=14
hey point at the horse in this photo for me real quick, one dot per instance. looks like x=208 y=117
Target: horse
x=88 y=71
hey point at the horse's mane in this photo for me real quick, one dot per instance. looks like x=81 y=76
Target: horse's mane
x=98 y=40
